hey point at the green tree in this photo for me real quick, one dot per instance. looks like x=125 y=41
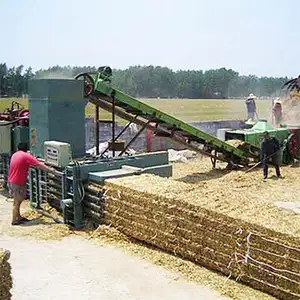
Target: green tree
x=153 y=81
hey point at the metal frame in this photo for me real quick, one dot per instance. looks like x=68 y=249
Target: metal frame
x=97 y=128
x=39 y=190
x=115 y=136
x=113 y=123
x=214 y=159
x=153 y=127
x=120 y=133
x=77 y=201
x=34 y=187
x=103 y=95
x=134 y=138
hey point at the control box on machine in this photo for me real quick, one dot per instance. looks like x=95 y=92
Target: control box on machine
x=57 y=154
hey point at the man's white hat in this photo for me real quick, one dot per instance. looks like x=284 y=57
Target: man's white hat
x=251 y=96
x=277 y=100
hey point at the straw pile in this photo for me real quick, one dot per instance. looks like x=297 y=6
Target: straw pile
x=39 y=227
x=5 y=275
x=295 y=95
x=216 y=232
x=236 y=143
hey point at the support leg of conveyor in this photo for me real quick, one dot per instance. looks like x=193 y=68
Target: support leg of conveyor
x=134 y=138
x=119 y=135
x=214 y=159
x=97 y=109
x=113 y=123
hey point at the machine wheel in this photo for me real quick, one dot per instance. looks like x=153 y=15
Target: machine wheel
x=105 y=73
x=293 y=146
x=89 y=84
x=214 y=158
x=24 y=113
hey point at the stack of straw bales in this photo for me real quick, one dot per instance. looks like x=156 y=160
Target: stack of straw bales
x=5 y=275
x=169 y=215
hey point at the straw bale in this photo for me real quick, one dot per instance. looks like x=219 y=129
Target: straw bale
x=94 y=216
x=94 y=207
x=277 y=247
x=280 y=283
x=195 y=222
x=93 y=199
x=231 y=203
x=5 y=275
x=208 y=257
x=169 y=223
x=282 y=262
x=183 y=229
x=274 y=290
x=205 y=256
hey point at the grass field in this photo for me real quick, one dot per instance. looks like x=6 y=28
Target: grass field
x=185 y=109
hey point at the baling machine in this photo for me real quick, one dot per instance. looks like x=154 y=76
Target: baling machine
x=251 y=139
x=56 y=132
x=57 y=136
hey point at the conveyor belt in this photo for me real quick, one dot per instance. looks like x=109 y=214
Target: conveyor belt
x=100 y=92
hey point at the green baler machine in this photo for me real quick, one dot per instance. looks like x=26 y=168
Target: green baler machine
x=253 y=138
x=254 y=135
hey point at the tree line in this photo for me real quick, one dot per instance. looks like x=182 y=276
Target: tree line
x=153 y=81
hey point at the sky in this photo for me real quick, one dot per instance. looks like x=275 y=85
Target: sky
x=258 y=37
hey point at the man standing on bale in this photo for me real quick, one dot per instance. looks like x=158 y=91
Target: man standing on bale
x=270 y=151
x=20 y=163
x=251 y=107
x=277 y=111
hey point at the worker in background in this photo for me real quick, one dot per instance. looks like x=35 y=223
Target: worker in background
x=270 y=151
x=251 y=107
x=277 y=111
x=20 y=163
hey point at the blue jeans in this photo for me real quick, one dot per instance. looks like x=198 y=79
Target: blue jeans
x=251 y=115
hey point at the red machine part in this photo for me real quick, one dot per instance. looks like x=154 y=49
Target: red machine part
x=24 y=113
x=294 y=143
x=15 y=114
x=12 y=113
x=24 y=117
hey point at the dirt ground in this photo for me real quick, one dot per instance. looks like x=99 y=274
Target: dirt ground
x=76 y=268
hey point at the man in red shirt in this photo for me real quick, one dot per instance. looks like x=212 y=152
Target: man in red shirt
x=20 y=163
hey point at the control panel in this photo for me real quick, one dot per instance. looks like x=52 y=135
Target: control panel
x=57 y=154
